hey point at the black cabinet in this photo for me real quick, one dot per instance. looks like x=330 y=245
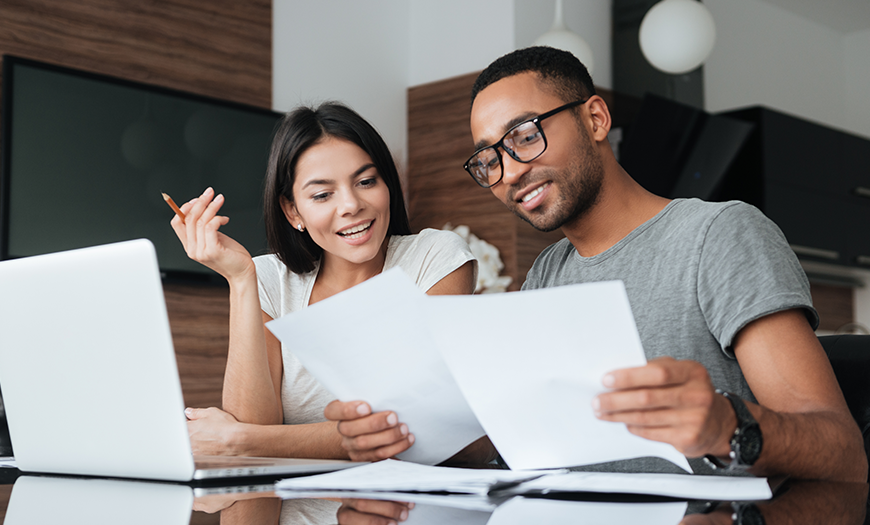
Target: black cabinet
x=811 y=180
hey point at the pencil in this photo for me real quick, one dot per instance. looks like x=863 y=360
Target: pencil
x=174 y=206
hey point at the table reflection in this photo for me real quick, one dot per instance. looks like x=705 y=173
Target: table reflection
x=37 y=500
x=797 y=502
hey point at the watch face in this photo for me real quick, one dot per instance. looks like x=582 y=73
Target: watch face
x=750 y=444
x=748 y=514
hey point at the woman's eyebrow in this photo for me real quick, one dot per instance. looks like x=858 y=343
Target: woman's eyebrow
x=361 y=169
x=314 y=182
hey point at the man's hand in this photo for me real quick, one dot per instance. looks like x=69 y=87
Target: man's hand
x=372 y=512
x=366 y=436
x=670 y=401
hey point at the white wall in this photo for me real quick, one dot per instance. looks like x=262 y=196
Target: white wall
x=591 y=19
x=766 y=55
x=351 y=51
x=857 y=82
x=449 y=38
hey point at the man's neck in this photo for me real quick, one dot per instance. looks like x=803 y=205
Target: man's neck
x=622 y=206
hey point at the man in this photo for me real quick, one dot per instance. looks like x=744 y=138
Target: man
x=719 y=299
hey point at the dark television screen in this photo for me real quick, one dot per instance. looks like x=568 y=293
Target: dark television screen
x=86 y=158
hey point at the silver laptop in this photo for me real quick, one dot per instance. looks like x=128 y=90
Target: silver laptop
x=88 y=371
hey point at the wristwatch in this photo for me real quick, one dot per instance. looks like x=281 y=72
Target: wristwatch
x=746 y=513
x=745 y=443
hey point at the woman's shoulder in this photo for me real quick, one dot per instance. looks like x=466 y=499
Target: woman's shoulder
x=429 y=238
x=428 y=256
x=270 y=269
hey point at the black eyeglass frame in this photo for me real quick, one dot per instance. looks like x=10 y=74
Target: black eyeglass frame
x=500 y=144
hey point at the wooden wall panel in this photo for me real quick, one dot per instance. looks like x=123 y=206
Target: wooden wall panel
x=219 y=48
x=216 y=48
x=835 y=305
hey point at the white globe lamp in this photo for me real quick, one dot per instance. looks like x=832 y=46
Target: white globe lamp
x=560 y=37
x=677 y=36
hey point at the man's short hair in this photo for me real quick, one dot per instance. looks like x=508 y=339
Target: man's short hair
x=559 y=70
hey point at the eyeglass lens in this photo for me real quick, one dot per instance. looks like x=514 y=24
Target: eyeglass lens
x=524 y=143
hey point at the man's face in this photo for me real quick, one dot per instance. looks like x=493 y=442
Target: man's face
x=564 y=182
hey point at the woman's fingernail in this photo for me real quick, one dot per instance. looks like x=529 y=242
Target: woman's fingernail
x=411 y=439
x=596 y=404
x=362 y=409
x=608 y=380
x=403 y=516
x=403 y=428
x=392 y=419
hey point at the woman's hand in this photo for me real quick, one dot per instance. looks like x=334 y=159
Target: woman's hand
x=212 y=432
x=366 y=436
x=205 y=244
x=372 y=512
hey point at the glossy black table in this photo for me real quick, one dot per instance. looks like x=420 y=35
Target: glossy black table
x=69 y=500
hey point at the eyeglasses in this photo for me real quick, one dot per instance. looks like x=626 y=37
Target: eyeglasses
x=524 y=143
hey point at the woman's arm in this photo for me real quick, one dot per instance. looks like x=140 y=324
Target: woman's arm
x=215 y=432
x=253 y=376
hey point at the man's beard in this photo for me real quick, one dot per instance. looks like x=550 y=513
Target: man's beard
x=579 y=188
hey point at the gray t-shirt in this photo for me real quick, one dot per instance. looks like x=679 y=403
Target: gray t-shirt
x=695 y=274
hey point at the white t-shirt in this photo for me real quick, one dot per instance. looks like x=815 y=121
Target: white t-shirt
x=426 y=258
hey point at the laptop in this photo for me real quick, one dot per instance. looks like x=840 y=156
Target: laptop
x=89 y=376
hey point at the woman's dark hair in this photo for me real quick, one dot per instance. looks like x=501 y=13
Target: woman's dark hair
x=296 y=132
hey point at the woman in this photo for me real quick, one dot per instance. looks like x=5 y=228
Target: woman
x=335 y=216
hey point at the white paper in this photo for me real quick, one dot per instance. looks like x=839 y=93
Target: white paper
x=478 y=502
x=530 y=363
x=369 y=343
x=403 y=476
x=719 y=488
x=523 y=511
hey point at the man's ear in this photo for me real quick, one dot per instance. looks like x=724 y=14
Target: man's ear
x=600 y=115
x=290 y=213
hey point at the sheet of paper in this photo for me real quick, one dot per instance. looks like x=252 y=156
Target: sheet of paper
x=719 y=488
x=479 y=502
x=368 y=343
x=522 y=511
x=529 y=364
x=403 y=476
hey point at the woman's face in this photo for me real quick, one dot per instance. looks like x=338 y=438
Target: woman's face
x=341 y=200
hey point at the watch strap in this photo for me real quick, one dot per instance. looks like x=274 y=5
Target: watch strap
x=746 y=424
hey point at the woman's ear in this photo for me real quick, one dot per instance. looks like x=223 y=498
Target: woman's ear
x=291 y=214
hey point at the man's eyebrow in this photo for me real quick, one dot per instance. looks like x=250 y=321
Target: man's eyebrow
x=361 y=169
x=522 y=117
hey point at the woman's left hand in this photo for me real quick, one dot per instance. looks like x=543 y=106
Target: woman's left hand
x=366 y=436
x=212 y=432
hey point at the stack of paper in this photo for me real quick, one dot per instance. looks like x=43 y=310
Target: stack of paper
x=522 y=368
x=405 y=477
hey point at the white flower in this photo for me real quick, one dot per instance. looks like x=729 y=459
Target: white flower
x=489 y=263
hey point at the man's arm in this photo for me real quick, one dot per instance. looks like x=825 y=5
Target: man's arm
x=807 y=429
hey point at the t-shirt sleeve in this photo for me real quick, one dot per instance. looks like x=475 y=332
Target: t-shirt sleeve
x=433 y=255
x=747 y=271
x=269 y=284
